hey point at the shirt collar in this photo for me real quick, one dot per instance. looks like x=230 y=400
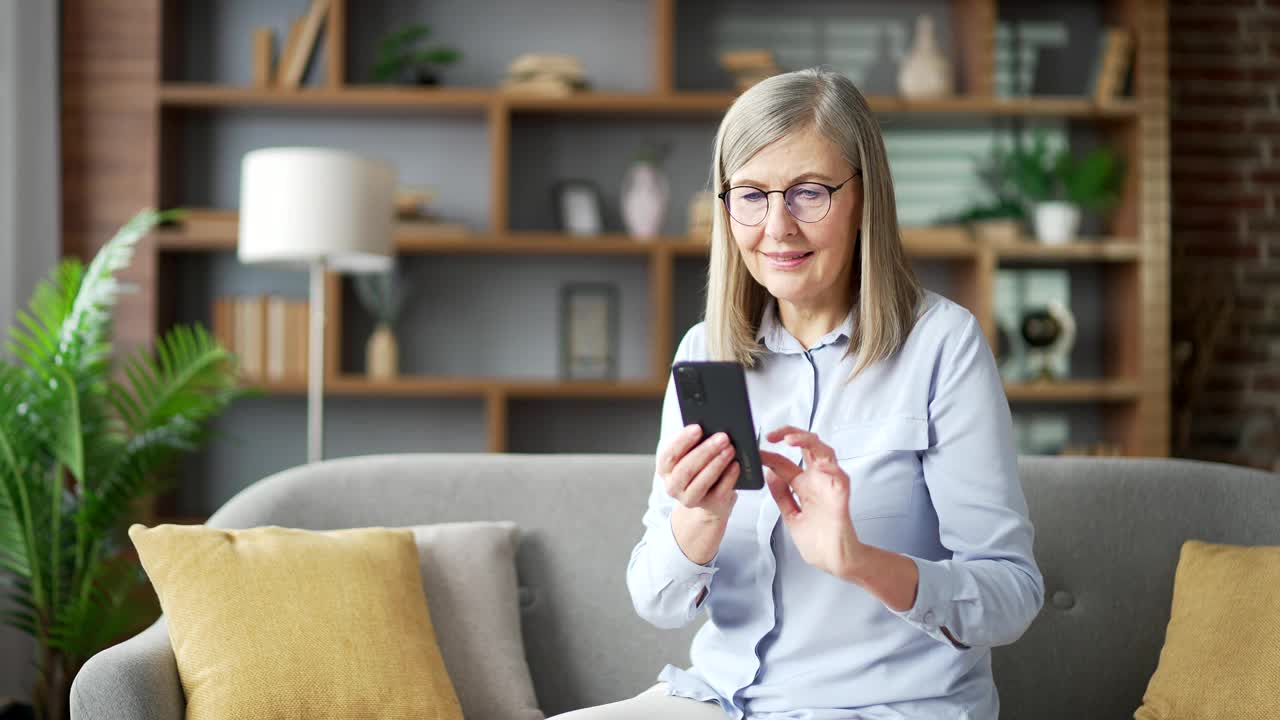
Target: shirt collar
x=777 y=338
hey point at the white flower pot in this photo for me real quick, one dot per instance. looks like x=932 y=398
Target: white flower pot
x=1056 y=222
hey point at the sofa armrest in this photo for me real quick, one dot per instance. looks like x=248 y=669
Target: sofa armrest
x=134 y=680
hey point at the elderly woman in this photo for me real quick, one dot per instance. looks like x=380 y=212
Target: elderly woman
x=892 y=549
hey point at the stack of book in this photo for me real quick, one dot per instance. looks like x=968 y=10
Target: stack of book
x=545 y=74
x=268 y=334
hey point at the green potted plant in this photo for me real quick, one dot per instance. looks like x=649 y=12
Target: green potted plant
x=401 y=59
x=80 y=447
x=1002 y=216
x=1057 y=186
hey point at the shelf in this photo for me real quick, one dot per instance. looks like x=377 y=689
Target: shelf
x=427 y=386
x=415 y=238
x=215 y=231
x=196 y=95
x=1047 y=106
x=1085 y=250
x=1072 y=391
x=629 y=103
x=547 y=243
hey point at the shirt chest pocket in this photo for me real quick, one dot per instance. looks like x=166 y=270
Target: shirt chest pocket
x=881 y=458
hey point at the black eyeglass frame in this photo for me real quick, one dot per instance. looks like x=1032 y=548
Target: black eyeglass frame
x=831 y=191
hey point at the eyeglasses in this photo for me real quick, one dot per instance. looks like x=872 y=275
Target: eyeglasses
x=807 y=202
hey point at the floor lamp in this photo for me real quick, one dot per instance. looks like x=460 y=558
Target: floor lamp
x=321 y=210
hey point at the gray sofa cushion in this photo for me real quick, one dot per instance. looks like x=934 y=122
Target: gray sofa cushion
x=469 y=577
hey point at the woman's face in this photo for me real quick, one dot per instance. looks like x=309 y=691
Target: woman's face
x=823 y=275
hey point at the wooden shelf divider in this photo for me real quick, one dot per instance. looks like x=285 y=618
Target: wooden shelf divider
x=216 y=229
x=480 y=100
x=1073 y=391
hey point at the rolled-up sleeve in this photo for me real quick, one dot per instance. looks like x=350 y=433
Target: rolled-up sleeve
x=990 y=590
x=665 y=585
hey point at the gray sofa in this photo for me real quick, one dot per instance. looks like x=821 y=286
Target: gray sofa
x=1108 y=533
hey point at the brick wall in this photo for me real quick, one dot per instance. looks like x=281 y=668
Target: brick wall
x=1224 y=73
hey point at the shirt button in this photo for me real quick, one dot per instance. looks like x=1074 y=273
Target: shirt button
x=928 y=618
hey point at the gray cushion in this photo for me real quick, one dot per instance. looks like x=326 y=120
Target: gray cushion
x=469 y=577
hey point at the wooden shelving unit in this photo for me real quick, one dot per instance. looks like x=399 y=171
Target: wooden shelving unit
x=122 y=113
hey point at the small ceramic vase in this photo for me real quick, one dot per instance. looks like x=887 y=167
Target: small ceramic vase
x=925 y=72
x=382 y=354
x=645 y=193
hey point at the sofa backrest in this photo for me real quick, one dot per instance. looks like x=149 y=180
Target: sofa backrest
x=1108 y=534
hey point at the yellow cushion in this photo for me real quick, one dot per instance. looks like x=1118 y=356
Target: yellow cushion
x=1221 y=655
x=274 y=622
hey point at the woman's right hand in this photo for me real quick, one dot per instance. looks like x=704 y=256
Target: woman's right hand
x=700 y=475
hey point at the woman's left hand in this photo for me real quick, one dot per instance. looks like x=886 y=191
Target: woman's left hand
x=820 y=524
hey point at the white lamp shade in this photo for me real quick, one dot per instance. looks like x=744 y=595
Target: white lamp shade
x=299 y=205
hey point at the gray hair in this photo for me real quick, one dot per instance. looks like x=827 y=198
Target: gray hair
x=885 y=292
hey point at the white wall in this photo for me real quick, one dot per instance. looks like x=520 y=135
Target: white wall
x=30 y=237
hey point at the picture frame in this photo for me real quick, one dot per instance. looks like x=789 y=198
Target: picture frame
x=589 y=331
x=578 y=206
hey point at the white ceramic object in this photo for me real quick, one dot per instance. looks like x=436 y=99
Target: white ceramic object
x=925 y=71
x=1056 y=222
x=645 y=194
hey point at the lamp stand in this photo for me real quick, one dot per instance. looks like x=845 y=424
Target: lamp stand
x=315 y=365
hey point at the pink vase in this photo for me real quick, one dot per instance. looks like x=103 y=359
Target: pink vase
x=645 y=194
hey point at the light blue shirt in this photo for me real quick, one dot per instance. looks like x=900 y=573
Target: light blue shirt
x=926 y=440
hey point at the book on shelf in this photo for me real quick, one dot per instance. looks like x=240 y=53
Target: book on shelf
x=1112 y=65
x=263 y=42
x=293 y=65
x=267 y=334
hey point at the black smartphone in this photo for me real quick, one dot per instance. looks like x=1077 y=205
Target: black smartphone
x=714 y=395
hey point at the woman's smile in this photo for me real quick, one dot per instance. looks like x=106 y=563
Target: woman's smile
x=787 y=260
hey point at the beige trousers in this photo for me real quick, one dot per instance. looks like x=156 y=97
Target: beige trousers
x=648 y=705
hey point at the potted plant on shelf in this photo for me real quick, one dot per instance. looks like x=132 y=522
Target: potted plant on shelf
x=400 y=59
x=382 y=295
x=1002 y=217
x=1058 y=186
x=80 y=446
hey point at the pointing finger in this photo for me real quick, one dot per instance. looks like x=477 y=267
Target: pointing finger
x=781 y=493
x=780 y=464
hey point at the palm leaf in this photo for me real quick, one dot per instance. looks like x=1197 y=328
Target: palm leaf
x=18 y=513
x=67 y=441
x=89 y=321
x=187 y=379
x=104 y=612
x=171 y=394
